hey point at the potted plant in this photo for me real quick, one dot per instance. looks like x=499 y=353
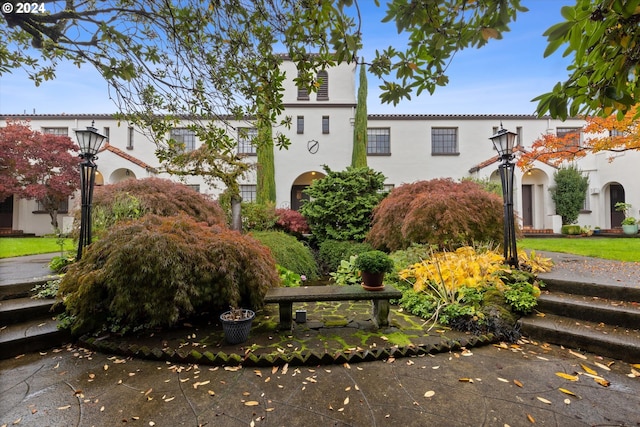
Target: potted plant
x=236 y=324
x=629 y=223
x=373 y=265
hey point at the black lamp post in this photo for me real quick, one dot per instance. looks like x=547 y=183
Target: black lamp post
x=90 y=141
x=504 y=142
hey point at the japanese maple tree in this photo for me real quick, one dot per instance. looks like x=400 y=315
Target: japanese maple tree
x=600 y=134
x=37 y=166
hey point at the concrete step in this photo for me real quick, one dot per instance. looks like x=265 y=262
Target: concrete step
x=22 y=289
x=591 y=308
x=30 y=336
x=22 y=309
x=619 y=291
x=598 y=338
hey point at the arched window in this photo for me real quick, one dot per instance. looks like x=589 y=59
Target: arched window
x=323 y=89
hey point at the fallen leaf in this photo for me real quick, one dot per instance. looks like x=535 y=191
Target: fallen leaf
x=602 y=382
x=567 y=376
x=211 y=392
x=346 y=401
x=569 y=392
x=285 y=368
x=636 y=365
x=274 y=370
x=567 y=401
x=518 y=383
x=581 y=356
x=198 y=384
x=503 y=380
x=588 y=369
x=258 y=373
x=543 y=400
x=531 y=419
x=251 y=403
x=232 y=368
x=169 y=399
x=430 y=393
x=62 y=408
x=465 y=380
x=600 y=365
x=105 y=367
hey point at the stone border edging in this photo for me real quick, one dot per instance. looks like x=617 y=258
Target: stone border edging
x=308 y=358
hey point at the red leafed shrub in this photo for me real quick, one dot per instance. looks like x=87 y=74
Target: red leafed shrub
x=292 y=222
x=161 y=197
x=154 y=271
x=440 y=212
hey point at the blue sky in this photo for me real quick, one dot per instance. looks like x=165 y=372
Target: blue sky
x=500 y=78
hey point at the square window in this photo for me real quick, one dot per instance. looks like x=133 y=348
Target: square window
x=186 y=137
x=444 y=141
x=378 y=141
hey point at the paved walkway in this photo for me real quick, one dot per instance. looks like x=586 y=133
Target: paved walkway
x=494 y=385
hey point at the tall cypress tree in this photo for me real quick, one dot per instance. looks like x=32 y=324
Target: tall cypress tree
x=266 y=180
x=359 y=155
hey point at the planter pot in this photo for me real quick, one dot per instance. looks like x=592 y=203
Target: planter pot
x=237 y=331
x=372 y=281
x=630 y=229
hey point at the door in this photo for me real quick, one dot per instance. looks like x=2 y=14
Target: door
x=6 y=213
x=297 y=196
x=527 y=205
x=616 y=194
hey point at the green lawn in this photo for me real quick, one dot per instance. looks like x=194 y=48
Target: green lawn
x=621 y=249
x=11 y=247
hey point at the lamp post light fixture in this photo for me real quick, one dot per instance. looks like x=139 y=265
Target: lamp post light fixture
x=90 y=141
x=504 y=143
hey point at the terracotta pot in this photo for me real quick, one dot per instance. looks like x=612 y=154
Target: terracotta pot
x=372 y=281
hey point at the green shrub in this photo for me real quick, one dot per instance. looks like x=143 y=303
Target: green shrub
x=374 y=262
x=440 y=212
x=289 y=252
x=571 y=229
x=258 y=217
x=569 y=193
x=156 y=270
x=332 y=252
x=342 y=203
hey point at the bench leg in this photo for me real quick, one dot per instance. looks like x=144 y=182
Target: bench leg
x=381 y=312
x=286 y=315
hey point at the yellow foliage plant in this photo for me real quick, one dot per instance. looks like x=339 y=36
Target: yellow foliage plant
x=446 y=272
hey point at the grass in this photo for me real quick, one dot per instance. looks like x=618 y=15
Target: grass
x=615 y=248
x=12 y=247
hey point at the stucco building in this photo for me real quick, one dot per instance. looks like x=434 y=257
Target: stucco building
x=405 y=148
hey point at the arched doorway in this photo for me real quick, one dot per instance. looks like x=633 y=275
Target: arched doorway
x=301 y=182
x=121 y=174
x=616 y=195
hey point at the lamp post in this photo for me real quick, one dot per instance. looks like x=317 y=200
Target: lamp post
x=504 y=142
x=90 y=141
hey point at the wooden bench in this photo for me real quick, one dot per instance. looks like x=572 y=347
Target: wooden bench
x=285 y=297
